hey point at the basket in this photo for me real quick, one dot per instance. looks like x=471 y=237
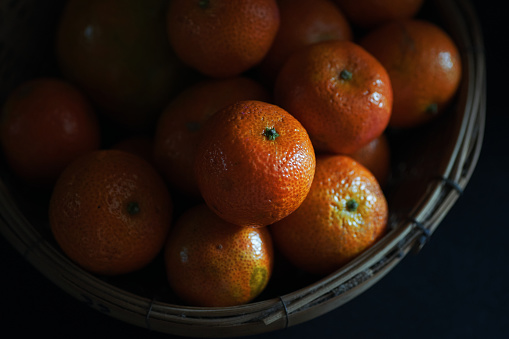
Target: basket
x=431 y=167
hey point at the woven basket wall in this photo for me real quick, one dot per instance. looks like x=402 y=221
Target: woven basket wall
x=431 y=167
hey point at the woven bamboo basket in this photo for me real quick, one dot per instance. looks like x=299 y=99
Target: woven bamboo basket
x=431 y=167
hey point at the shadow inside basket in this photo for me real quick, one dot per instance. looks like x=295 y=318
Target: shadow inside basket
x=418 y=155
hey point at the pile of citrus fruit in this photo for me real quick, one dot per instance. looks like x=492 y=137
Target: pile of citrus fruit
x=220 y=134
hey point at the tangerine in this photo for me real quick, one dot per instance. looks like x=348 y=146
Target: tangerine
x=368 y=14
x=110 y=212
x=303 y=22
x=222 y=38
x=45 y=124
x=179 y=126
x=376 y=157
x=424 y=65
x=344 y=213
x=339 y=92
x=254 y=163
x=213 y=263
x=117 y=51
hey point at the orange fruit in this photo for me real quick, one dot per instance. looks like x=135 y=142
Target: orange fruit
x=344 y=213
x=254 y=163
x=117 y=51
x=222 y=38
x=110 y=212
x=46 y=123
x=370 y=13
x=339 y=92
x=179 y=126
x=213 y=263
x=303 y=22
x=424 y=65
x=376 y=157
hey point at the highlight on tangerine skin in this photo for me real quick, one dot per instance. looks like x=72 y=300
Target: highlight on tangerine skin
x=213 y=263
x=424 y=65
x=344 y=214
x=254 y=164
x=339 y=92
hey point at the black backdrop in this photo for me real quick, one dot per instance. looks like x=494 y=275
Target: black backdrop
x=456 y=287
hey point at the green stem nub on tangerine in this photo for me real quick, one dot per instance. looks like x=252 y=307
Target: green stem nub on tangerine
x=345 y=74
x=204 y=4
x=432 y=108
x=270 y=133
x=133 y=208
x=351 y=205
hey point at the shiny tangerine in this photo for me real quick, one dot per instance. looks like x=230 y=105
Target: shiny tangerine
x=424 y=65
x=110 y=212
x=213 y=263
x=344 y=214
x=254 y=163
x=339 y=92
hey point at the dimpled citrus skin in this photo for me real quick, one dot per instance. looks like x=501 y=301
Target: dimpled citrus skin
x=110 y=212
x=222 y=38
x=424 y=65
x=244 y=176
x=323 y=234
x=210 y=262
x=341 y=115
x=180 y=124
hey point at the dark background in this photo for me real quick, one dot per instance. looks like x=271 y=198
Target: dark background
x=456 y=287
